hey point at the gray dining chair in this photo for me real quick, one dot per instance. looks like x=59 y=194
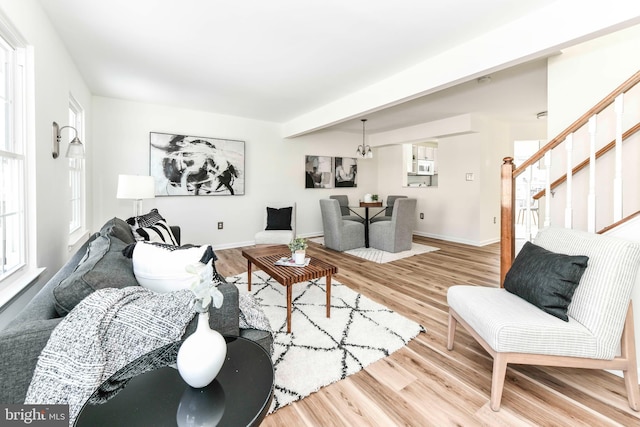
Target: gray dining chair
x=339 y=234
x=343 y=200
x=388 y=212
x=395 y=235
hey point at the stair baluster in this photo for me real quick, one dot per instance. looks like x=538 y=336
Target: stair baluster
x=547 y=200
x=591 y=199
x=617 y=182
x=568 y=210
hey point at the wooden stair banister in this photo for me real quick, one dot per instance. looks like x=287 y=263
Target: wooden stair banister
x=583 y=120
x=585 y=162
x=507 y=223
x=617 y=223
x=509 y=172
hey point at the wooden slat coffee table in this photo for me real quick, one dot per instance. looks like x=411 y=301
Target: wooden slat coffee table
x=265 y=259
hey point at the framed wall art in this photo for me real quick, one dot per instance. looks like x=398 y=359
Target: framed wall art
x=183 y=165
x=318 y=172
x=346 y=171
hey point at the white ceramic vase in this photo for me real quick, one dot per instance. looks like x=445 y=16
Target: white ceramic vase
x=298 y=257
x=367 y=198
x=202 y=354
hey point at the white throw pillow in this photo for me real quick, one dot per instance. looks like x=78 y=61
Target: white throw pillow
x=161 y=268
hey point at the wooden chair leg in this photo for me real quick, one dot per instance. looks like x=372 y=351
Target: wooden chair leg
x=497 y=380
x=628 y=351
x=452 y=331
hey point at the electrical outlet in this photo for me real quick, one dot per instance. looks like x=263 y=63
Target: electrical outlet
x=421 y=215
x=494 y=219
x=220 y=225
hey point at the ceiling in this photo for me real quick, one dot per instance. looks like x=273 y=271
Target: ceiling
x=275 y=60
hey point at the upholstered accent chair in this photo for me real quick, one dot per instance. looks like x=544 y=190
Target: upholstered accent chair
x=395 y=235
x=279 y=224
x=599 y=312
x=388 y=212
x=344 y=208
x=339 y=234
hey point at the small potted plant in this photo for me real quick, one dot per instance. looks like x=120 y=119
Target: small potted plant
x=374 y=197
x=297 y=247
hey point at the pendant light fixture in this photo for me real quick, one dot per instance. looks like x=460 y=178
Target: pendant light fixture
x=364 y=150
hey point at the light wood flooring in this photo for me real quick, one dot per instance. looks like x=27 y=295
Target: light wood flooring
x=424 y=384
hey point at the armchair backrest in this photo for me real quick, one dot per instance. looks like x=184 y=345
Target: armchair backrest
x=601 y=299
x=343 y=200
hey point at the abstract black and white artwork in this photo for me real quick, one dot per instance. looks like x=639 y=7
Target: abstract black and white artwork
x=185 y=165
x=346 y=171
x=318 y=172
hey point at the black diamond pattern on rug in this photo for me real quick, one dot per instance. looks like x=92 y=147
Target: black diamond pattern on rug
x=320 y=350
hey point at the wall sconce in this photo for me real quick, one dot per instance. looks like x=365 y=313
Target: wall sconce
x=364 y=150
x=75 y=150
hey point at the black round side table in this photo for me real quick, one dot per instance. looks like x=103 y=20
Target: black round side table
x=239 y=396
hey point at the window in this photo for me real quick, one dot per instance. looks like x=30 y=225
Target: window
x=12 y=159
x=76 y=176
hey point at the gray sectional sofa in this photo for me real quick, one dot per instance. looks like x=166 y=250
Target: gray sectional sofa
x=25 y=337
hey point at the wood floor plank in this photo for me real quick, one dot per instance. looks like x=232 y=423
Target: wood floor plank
x=392 y=374
x=424 y=384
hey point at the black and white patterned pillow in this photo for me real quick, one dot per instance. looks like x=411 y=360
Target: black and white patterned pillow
x=149 y=219
x=143 y=221
x=159 y=232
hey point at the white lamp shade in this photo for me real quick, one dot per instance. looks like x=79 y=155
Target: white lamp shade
x=135 y=187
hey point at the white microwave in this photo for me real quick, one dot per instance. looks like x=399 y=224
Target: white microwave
x=425 y=167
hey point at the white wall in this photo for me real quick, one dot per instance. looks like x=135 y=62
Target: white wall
x=456 y=210
x=274 y=169
x=55 y=78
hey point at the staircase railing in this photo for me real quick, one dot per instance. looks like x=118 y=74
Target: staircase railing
x=510 y=172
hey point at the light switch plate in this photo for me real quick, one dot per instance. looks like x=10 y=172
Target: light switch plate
x=470 y=177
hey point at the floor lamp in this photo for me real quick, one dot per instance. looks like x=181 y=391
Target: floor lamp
x=136 y=188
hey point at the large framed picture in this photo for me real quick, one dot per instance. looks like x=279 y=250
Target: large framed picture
x=318 y=172
x=183 y=165
x=346 y=171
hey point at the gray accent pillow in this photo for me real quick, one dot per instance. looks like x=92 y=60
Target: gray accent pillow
x=545 y=279
x=104 y=266
x=118 y=228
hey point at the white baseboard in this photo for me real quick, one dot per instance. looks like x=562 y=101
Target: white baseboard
x=457 y=239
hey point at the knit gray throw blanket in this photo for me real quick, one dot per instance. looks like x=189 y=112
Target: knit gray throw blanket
x=103 y=333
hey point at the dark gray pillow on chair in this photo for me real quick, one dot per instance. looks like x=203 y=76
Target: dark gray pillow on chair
x=279 y=219
x=546 y=279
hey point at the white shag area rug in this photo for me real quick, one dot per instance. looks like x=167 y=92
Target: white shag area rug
x=381 y=257
x=320 y=350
